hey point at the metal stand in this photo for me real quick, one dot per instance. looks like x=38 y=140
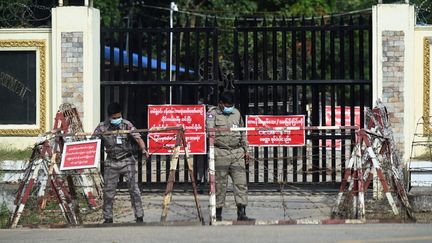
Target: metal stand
x=33 y=175
x=180 y=142
x=374 y=150
x=43 y=170
x=67 y=119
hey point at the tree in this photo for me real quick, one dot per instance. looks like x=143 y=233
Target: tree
x=155 y=13
x=109 y=9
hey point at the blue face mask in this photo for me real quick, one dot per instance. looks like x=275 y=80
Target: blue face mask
x=116 y=122
x=228 y=110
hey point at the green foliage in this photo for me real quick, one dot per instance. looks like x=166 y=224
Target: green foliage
x=309 y=8
x=274 y=7
x=240 y=6
x=4 y=215
x=342 y=6
x=110 y=12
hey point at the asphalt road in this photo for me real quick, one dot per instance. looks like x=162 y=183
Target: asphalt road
x=274 y=233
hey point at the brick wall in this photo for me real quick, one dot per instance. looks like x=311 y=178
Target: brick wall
x=72 y=69
x=393 y=82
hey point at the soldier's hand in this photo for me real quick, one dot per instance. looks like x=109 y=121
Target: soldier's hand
x=145 y=153
x=247 y=157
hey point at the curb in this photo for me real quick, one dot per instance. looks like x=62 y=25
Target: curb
x=307 y=222
x=228 y=223
x=101 y=225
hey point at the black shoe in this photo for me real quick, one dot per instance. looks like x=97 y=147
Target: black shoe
x=218 y=214
x=241 y=214
x=139 y=220
x=200 y=187
x=108 y=221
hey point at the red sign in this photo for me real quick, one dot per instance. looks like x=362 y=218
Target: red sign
x=163 y=143
x=338 y=116
x=338 y=120
x=80 y=155
x=274 y=137
x=191 y=117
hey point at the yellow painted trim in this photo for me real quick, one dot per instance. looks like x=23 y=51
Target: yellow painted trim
x=41 y=48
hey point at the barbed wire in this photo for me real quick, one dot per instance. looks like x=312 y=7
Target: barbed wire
x=279 y=174
x=25 y=14
x=423 y=12
x=204 y=13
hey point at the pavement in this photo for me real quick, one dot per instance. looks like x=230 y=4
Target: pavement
x=345 y=233
x=309 y=209
x=264 y=206
x=293 y=206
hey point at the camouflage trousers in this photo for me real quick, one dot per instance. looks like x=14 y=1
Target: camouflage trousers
x=230 y=162
x=112 y=172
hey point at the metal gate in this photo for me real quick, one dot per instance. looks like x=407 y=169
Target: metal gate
x=304 y=66
x=319 y=68
x=136 y=66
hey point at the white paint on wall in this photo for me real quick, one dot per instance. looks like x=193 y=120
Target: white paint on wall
x=31 y=34
x=396 y=17
x=420 y=33
x=65 y=19
x=86 y=20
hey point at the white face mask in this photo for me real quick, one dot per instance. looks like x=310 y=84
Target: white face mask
x=228 y=110
x=116 y=122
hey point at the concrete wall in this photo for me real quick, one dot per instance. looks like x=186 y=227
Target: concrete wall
x=72 y=57
x=394 y=70
x=73 y=62
x=24 y=137
x=77 y=31
x=399 y=72
x=421 y=33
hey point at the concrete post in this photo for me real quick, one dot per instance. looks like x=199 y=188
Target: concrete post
x=393 y=68
x=76 y=61
x=393 y=72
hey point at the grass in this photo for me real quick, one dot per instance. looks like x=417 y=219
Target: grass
x=7 y=153
x=32 y=215
x=4 y=215
x=14 y=154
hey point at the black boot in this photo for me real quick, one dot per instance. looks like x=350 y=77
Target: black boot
x=218 y=214
x=139 y=219
x=241 y=214
x=108 y=221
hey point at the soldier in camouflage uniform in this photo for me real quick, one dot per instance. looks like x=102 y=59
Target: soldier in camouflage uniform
x=230 y=154
x=120 y=160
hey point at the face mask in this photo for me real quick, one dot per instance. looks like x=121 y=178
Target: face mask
x=228 y=110
x=116 y=122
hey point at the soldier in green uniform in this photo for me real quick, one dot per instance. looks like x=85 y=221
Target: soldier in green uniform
x=230 y=154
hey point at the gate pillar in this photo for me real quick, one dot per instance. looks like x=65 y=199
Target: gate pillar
x=76 y=61
x=393 y=68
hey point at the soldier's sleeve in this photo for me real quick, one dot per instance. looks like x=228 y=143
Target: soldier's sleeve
x=131 y=127
x=244 y=142
x=97 y=131
x=210 y=119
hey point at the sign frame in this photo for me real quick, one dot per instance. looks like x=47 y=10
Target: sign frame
x=186 y=133
x=96 y=160
x=277 y=145
x=191 y=152
x=39 y=46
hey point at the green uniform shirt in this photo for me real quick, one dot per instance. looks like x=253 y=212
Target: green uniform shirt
x=226 y=139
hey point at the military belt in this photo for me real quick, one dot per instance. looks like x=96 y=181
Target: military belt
x=227 y=147
x=123 y=156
